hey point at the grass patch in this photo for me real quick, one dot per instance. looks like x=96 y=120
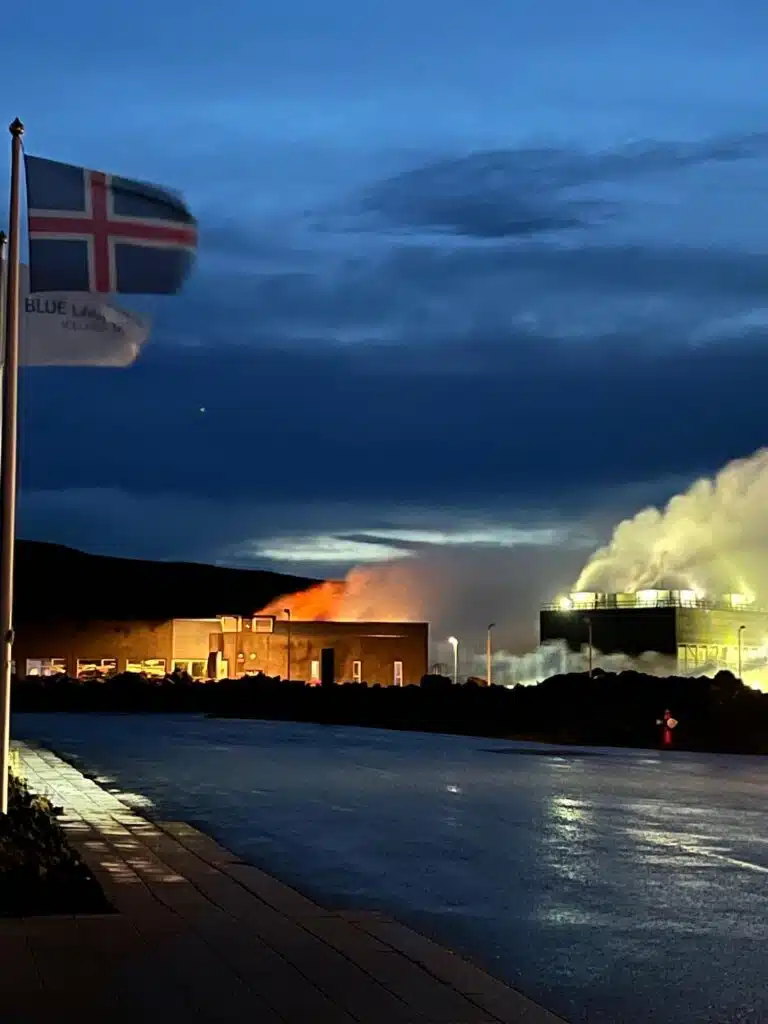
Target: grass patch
x=39 y=872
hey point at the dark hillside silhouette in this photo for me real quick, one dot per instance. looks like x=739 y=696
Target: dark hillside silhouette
x=55 y=582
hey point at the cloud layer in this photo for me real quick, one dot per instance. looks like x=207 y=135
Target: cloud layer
x=449 y=296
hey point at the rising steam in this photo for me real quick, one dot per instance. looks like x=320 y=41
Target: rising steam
x=713 y=537
x=457 y=590
x=321 y=603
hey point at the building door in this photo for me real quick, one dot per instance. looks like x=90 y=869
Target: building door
x=327 y=666
x=398 y=674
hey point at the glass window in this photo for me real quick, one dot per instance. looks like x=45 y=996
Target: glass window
x=194 y=669
x=314 y=672
x=46 y=666
x=357 y=671
x=398 y=679
x=96 y=668
x=154 y=667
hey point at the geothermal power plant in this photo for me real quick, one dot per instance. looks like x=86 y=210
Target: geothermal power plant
x=697 y=630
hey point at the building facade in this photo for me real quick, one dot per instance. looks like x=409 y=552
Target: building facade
x=723 y=632
x=391 y=654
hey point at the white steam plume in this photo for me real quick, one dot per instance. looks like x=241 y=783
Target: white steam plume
x=461 y=590
x=555 y=658
x=713 y=537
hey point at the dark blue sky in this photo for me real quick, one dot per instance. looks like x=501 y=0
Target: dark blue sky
x=470 y=274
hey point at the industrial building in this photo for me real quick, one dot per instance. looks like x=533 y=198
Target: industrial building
x=94 y=615
x=697 y=630
x=226 y=646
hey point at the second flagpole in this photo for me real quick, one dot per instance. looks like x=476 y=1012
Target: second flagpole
x=3 y=265
x=9 y=457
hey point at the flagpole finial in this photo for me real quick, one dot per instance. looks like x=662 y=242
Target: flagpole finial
x=16 y=127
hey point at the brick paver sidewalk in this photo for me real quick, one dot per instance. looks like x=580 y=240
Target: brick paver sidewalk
x=202 y=936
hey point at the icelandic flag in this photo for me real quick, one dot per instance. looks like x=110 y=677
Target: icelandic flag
x=97 y=233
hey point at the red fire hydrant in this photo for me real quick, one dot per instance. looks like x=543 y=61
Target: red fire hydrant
x=667 y=723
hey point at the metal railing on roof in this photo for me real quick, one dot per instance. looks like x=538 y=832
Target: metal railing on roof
x=599 y=602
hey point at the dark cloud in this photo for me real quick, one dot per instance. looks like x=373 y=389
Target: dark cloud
x=523 y=192
x=531 y=421
x=678 y=270
x=313 y=378
x=491 y=213
x=422 y=296
x=405 y=312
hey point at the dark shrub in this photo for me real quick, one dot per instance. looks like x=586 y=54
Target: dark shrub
x=39 y=872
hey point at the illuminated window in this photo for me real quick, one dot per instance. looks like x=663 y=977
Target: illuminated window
x=153 y=667
x=314 y=672
x=96 y=668
x=357 y=671
x=195 y=669
x=46 y=666
x=398 y=677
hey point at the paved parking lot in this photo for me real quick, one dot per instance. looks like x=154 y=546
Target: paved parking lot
x=607 y=885
x=205 y=937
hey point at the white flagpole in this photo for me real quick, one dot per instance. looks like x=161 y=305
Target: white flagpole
x=9 y=457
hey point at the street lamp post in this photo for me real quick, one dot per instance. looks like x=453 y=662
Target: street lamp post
x=740 y=633
x=589 y=643
x=288 y=644
x=489 y=654
x=453 y=641
x=238 y=646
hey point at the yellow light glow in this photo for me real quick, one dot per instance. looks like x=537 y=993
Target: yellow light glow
x=647 y=596
x=584 y=599
x=737 y=600
x=564 y=604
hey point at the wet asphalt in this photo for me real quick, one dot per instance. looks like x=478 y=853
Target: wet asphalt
x=610 y=885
